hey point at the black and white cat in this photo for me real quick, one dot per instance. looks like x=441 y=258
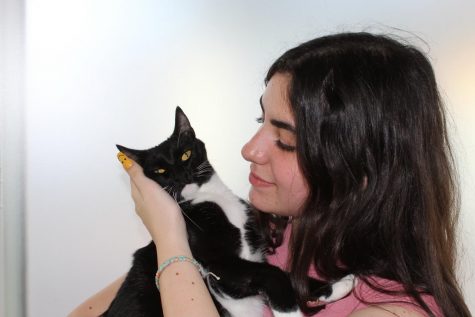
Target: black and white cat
x=223 y=234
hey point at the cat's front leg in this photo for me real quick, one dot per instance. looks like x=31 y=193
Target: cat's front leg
x=339 y=289
x=241 y=278
x=330 y=293
x=296 y=313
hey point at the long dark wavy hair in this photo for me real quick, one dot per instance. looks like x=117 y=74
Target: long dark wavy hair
x=372 y=143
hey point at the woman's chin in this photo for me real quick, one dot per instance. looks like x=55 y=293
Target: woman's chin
x=261 y=203
x=256 y=200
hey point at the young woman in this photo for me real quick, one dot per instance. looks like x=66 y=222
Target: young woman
x=353 y=154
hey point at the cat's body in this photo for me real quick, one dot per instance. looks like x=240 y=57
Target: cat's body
x=222 y=231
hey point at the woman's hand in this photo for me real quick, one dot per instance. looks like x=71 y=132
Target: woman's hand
x=183 y=291
x=158 y=210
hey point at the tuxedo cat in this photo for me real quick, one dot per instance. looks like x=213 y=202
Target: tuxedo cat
x=223 y=234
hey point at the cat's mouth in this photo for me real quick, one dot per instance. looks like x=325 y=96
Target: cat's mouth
x=200 y=174
x=174 y=191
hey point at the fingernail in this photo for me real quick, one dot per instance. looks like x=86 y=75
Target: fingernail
x=126 y=163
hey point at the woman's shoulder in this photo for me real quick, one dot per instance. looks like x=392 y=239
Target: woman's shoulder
x=366 y=300
x=385 y=310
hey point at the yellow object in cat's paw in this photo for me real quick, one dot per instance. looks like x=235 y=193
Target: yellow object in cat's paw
x=126 y=162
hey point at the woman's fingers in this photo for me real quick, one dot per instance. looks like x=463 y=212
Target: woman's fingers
x=136 y=195
x=132 y=168
x=126 y=162
x=159 y=212
x=136 y=174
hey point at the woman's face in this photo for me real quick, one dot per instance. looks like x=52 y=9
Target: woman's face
x=278 y=185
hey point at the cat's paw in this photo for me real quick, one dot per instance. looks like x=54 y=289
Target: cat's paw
x=340 y=289
x=296 y=313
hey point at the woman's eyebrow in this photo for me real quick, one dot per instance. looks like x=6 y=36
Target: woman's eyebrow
x=283 y=125
x=278 y=123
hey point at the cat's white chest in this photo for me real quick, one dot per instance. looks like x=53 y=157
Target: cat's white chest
x=189 y=191
x=215 y=191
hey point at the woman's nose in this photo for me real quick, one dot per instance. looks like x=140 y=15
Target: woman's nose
x=255 y=150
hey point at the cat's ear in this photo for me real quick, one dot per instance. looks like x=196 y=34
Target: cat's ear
x=136 y=155
x=182 y=124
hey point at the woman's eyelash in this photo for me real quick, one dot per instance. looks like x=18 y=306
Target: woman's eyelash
x=285 y=147
x=280 y=145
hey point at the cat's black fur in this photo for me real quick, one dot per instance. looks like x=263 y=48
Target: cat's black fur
x=216 y=243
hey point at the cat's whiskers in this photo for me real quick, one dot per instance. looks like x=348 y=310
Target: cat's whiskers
x=203 y=171
x=203 y=168
x=173 y=192
x=191 y=220
x=203 y=165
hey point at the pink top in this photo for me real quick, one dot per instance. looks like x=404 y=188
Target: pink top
x=351 y=303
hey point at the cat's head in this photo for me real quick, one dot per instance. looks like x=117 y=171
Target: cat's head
x=176 y=162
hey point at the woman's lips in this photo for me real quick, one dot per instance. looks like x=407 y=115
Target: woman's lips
x=256 y=181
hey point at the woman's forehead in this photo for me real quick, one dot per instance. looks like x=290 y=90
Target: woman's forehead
x=275 y=99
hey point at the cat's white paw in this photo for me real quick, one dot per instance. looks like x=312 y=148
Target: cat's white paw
x=296 y=313
x=341 y=288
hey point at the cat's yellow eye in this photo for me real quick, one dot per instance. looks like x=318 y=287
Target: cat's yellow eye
x=159 y=171
x=186 y=155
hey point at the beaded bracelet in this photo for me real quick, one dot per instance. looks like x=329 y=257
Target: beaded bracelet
x=174 y=259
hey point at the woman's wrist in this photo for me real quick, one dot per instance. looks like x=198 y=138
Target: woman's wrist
x=171 y=244
x=165 y=226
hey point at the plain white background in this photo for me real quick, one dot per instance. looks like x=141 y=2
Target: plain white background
x=105 y=72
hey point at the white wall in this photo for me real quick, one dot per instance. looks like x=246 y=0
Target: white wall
x=112 y=71
x=12 y=142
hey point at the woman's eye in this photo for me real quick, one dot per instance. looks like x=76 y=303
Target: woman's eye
x=185 y=156
x=260 y=120
x=159 y=171
x=285 y=147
